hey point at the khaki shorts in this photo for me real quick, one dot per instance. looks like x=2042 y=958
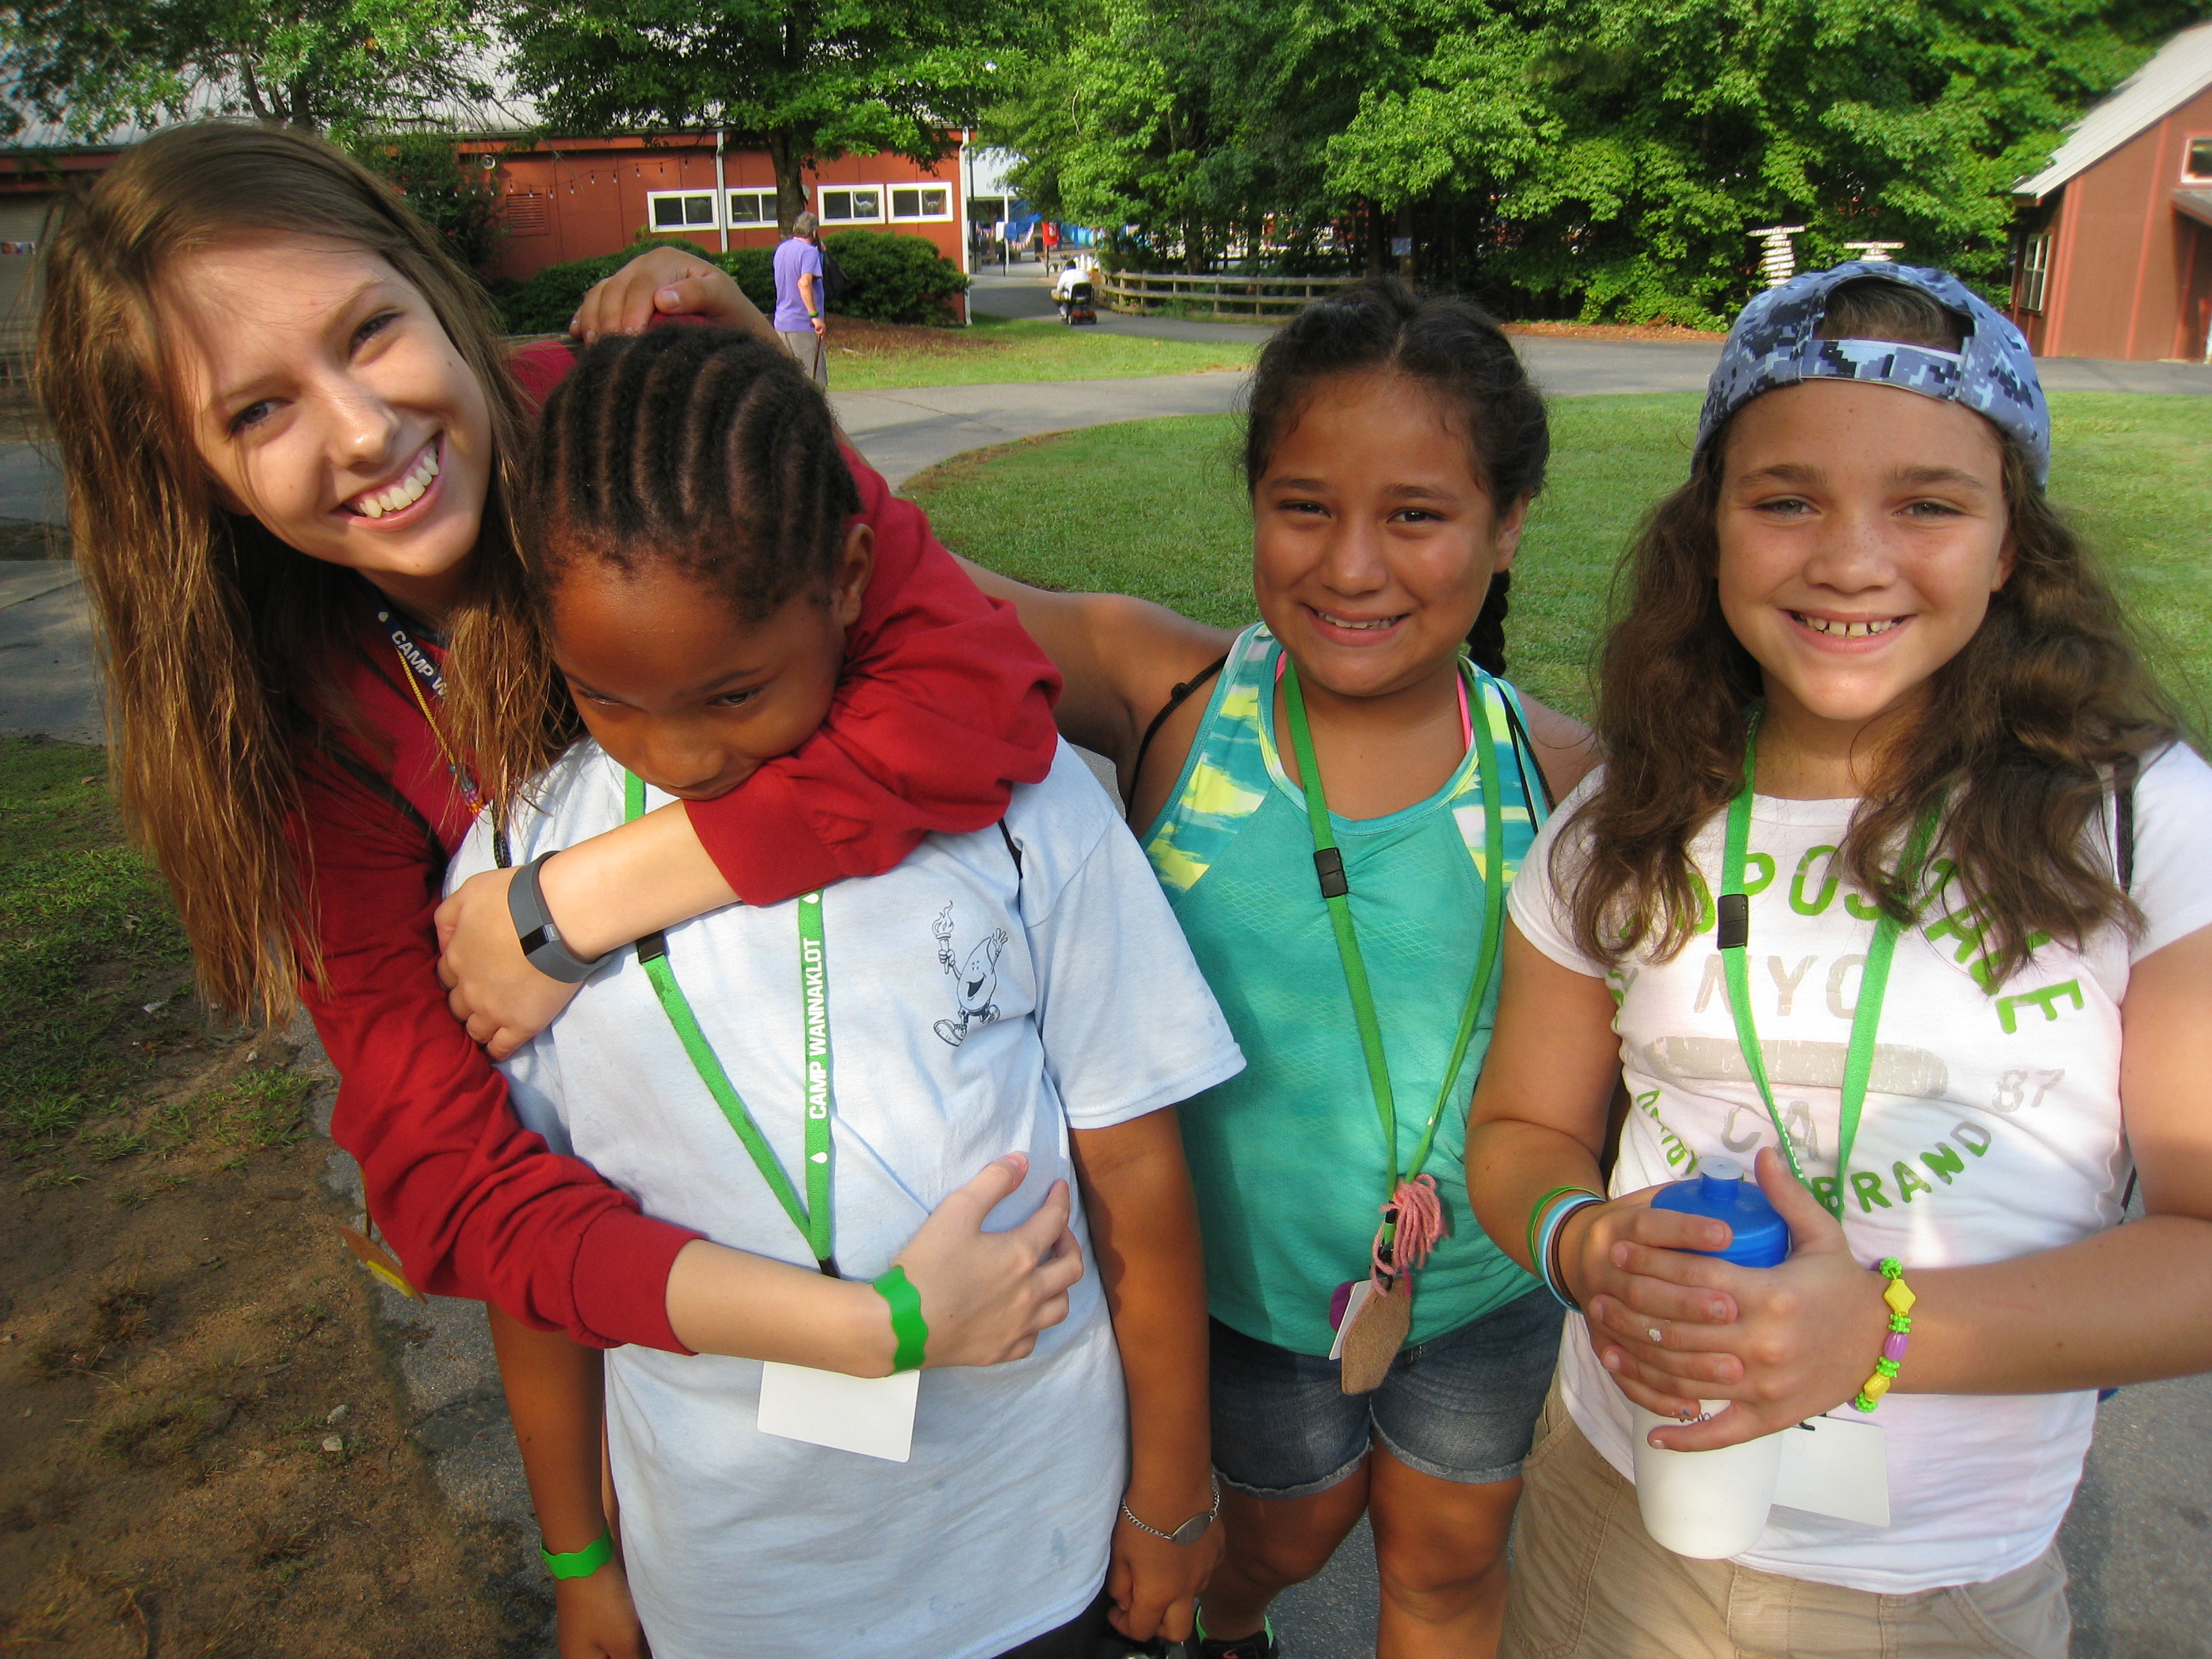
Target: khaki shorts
x=1589 y=1584
x=811 y=351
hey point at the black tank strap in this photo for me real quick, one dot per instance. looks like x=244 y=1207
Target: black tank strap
x=1523 y=743
x=1176 y=698
x=2124 y=820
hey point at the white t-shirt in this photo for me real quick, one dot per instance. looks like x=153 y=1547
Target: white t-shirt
x=974 y=1010
x=1991 y=1129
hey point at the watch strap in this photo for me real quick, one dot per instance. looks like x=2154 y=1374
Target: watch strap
x=542 y=945
x=1191 y=1530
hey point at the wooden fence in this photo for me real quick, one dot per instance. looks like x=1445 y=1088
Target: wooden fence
x=1249 y=297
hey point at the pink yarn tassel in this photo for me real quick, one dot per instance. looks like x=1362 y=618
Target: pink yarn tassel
x=1419 y=1215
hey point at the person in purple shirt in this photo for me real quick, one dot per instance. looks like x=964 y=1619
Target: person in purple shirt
x=799 y=296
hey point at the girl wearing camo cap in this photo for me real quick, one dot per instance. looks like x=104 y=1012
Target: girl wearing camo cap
x=1896 y=888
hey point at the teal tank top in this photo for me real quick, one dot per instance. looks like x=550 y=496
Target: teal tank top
x=1287 y=1157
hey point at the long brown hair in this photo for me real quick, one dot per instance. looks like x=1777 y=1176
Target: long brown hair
x=224 y=650
x=2017 y=744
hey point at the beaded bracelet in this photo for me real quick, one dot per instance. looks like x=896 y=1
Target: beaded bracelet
x=1900 y=1298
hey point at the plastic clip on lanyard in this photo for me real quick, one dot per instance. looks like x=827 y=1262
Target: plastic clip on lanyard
x=815 y=1218
x=1732 y=912
x=1329 y=863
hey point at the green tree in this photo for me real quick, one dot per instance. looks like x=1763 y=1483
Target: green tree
x=1602 y=158
x=1623 y=151
x=804 y=79
x=454 y=199
x=93 y=66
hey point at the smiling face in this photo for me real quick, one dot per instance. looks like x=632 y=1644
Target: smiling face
x=1862 y=530
x=683 y=691
x=1374 y=541
x=328 y=403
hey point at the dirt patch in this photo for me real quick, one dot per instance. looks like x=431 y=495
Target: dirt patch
x=866 y=339
x=205 y=1450
x=1662 y=333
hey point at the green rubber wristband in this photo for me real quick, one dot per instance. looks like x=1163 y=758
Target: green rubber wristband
x=907 y=1322
x=579 y=1564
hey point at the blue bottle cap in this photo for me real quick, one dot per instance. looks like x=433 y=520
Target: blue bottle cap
x=1761 y=1235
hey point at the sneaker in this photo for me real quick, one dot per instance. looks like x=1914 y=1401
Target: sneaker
x=1261 y=1644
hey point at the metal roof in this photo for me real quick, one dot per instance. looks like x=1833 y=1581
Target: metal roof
x=2182 y=69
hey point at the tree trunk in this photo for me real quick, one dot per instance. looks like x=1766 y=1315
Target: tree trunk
x=1405 y=233
x=1370 y=221
x=790 y=188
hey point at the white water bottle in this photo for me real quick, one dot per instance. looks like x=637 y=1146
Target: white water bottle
x=1713 y=1504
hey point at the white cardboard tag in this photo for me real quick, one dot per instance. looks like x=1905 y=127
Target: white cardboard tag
x=1836 y=1467
x=1360 y=1292
x=871 y=1415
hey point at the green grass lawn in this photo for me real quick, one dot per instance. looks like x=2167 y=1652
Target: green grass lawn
x=996 y=349
x=1155 y=507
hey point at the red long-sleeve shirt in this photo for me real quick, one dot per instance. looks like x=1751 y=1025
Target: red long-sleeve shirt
x=945 y=704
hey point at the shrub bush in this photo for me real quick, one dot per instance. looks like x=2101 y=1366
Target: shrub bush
x=895 y=279
x=544 y=304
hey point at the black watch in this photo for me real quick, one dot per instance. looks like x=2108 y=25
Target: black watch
x=542 y=945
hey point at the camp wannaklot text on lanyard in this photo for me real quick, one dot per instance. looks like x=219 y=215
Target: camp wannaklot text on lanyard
x=1840 y=1469
x=1378 y=1310
x=873 y=1416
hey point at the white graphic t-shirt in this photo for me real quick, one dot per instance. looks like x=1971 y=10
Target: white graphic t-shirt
x=1991 y=1128
x=976 y=1008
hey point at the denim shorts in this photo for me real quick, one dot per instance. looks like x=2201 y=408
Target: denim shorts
x=1461 y=1406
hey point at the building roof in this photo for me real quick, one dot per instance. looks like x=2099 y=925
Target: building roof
x=2182 y=69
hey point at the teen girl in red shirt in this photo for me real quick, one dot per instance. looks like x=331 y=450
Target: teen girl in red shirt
x=290 y=436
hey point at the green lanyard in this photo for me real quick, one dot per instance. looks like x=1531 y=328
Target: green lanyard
x=815 y=1220
x=1329 y=863
x=1733 y=922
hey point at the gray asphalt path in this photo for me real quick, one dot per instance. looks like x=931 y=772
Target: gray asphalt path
x=902 y=432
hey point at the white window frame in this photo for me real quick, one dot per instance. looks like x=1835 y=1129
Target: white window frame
x=2035 y=271
x=2189 y=174
x=823 y=192
x=766 y=198
x=654 y=197
x=894 y=216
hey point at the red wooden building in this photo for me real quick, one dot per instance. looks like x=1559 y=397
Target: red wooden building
x=2113 y=254
x=572 y=198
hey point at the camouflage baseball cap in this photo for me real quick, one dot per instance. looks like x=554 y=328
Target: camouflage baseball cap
x=1773 y=345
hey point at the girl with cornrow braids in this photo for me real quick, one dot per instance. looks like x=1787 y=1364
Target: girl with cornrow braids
x=292 y=441
x=805 y=1081
x=1371 y=1350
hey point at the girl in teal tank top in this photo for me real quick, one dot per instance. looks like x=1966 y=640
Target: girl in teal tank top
x=1393 y=447
x=1287 y=1156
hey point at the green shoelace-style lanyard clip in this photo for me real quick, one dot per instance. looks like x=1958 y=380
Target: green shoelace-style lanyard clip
x=1732 y=936
x=815 y=1218
x=1336 y=889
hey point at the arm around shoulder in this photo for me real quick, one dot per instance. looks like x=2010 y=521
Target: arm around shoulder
x=1119 y=657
